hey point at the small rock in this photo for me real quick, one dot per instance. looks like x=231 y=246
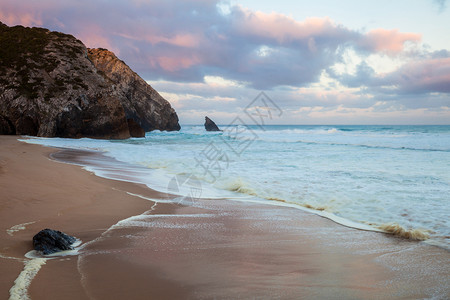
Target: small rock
x=210 y=125
x=49 y=241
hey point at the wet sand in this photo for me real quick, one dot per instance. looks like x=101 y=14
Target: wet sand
x=206 y=249
x=59 y=196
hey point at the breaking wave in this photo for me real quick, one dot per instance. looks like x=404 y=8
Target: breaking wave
x=412 y=234
x=237 y=185
x=367 y=174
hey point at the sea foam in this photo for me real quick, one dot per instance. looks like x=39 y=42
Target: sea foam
x=18 y=227
x=19 y=291
x=369 y=175
x=412 y=234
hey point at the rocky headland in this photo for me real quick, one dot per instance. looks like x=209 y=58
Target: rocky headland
x=51 y=85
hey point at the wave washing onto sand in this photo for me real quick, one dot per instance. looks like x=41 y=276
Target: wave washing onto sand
x=18 y=227
x=240 y=186
x=395 y=229
x=237 y=185
x=412 y=234
x=368 y=175
x=19 y=291
x=32 y=264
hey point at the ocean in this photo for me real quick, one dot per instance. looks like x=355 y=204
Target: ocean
x=381 y=178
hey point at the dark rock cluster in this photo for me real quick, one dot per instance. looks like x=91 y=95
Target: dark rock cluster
x=49 y=241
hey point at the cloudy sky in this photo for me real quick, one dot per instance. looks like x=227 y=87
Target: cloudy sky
x=321 y=62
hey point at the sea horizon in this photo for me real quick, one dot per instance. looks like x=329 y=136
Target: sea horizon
x=226 y=124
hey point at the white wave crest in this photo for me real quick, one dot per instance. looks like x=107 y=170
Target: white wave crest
x=236 y=185
x=412 y=234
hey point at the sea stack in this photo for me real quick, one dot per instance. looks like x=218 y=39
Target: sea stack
x=51 y=85
x=210 y=125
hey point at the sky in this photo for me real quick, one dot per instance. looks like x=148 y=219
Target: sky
x=319 y=62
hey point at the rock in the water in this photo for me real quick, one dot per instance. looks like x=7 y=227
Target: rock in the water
x=210 y=125
x=52 y=85
x=49 y=241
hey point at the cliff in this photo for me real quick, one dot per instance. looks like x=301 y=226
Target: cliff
x=51 y=85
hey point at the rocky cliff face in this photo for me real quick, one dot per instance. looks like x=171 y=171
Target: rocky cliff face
x=51 y=85
x=137 y=97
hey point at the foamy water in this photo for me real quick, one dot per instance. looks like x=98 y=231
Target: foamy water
x=19 y=291
x=390 y=178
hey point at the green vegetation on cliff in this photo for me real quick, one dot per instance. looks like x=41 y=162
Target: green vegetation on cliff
x=50 y=86
x=28 y=52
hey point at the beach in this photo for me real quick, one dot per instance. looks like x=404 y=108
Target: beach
x=54 y=195
x=137 y=247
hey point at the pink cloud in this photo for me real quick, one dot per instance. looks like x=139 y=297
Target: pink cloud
x=187 y=40
x=93 y=36
x=173 y=64
x=180 y=40
x=28 y=19
x=389 y=41
x=281 y=28
x=430 y=75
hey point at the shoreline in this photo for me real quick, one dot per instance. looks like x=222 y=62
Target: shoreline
x=54 y=195
x=81 y=158
x=34 y=186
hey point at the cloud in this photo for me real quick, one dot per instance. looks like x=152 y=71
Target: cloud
x=389 y=41
x=215 y=56
x=364 y=75
x=427 y=74
x=424 y=76
x=185 y=41
x=284 y=30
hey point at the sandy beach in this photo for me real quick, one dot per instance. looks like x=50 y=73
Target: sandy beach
x=212 y=249
x=54 y=195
